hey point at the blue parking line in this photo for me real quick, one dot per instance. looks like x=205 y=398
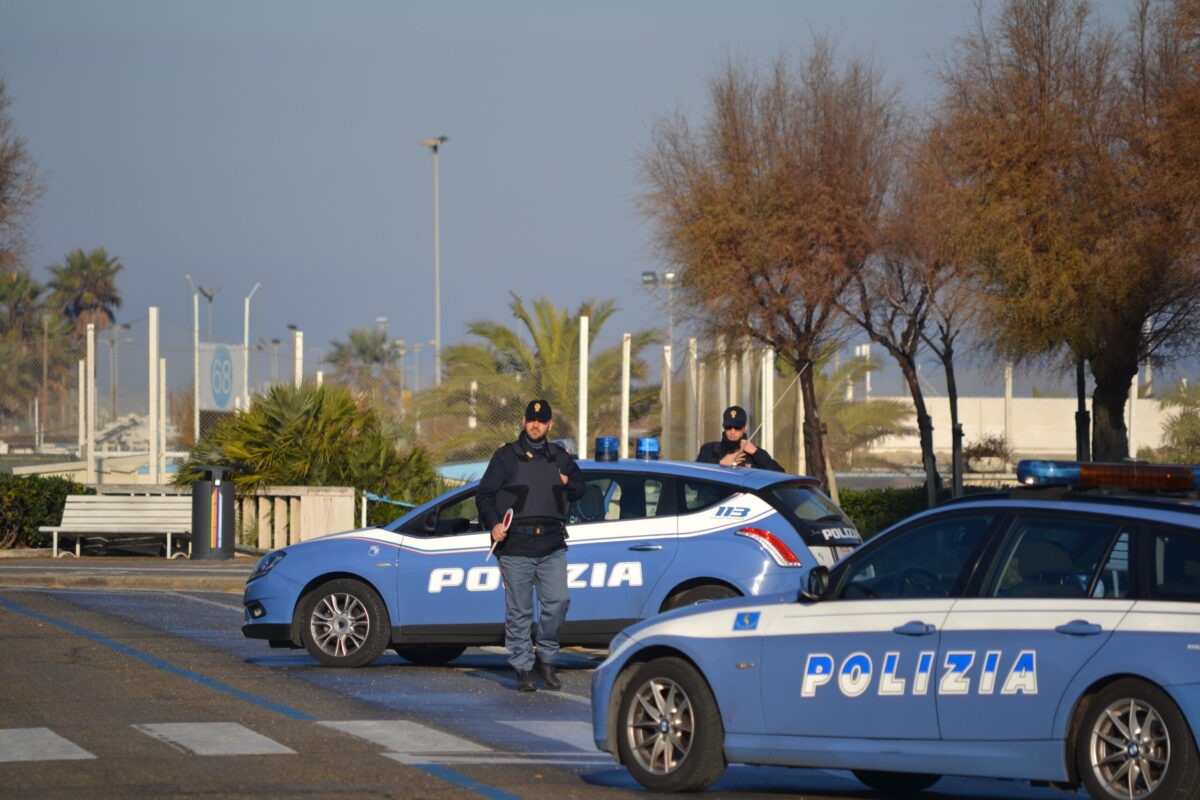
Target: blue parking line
x=458 y=779
x=158 y=663
x=444 y=773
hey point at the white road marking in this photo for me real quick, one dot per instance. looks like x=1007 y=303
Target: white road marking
x=574 y=734
x=38 y=744
x=405 y=737
x=215 y=739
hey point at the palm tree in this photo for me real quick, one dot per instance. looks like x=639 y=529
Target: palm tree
x=366 y=362
x=315 y=436
x=488 y=384
x=85 y=288
x=20 y=305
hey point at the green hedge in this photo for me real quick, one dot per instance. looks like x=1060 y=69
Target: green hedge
x=875 y=510
x=28 y=502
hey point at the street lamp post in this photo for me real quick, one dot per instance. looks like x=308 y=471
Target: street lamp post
x=195 y=360
x=246 y=350
x=435 y=146
x=669 y=279
x=114 y=342
x=209 y=294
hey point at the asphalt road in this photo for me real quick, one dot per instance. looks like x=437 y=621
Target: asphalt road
x=126 y=689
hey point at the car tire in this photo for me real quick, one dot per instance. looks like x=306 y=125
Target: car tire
x=1134 y=742
x=430 y=655
x=699 y=594
x=670 y=735
x=896 y=783
x=345 y=624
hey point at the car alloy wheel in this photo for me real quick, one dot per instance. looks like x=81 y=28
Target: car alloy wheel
x=1134 y=743
x=345 y=624
x=671 y=738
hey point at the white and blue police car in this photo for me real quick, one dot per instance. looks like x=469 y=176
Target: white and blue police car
x=1050 y=633
x=645 y=537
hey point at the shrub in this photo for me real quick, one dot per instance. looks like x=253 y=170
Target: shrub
x=995 y=446
x=28 y=502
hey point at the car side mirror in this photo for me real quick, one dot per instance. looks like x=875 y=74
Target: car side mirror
x=817 y=584
x=429 y=523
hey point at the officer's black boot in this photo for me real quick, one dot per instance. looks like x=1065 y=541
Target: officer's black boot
x=525 y=681
x=549 y=677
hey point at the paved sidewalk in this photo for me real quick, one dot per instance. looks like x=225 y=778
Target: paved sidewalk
x=124 y=572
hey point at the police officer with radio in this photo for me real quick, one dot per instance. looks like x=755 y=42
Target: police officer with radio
x=537 y=479
x=734 y=449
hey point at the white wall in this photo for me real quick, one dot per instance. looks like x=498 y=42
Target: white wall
x=1039 y=426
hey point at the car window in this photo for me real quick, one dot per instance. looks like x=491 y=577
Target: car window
x=1054 y=556
x=1175 y=565
x=608 y=497
x=702 y=494
x=459 y=515
x=930 y=559
x=804 y=501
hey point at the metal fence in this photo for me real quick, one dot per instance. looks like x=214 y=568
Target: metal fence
x=58 y=393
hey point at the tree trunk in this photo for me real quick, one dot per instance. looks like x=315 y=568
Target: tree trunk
x=1110 y=439
x=925 y=428
x=814 y=433
x=956 y=431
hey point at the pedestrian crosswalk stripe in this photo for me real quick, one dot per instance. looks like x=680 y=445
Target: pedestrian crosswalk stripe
x=215 y=739
x=38 y=744
x=573 y=733
x=404 y=736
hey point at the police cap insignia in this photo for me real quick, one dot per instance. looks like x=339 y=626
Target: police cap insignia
x=538 y=410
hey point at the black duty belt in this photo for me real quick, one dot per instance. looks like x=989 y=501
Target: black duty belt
x=537 y=530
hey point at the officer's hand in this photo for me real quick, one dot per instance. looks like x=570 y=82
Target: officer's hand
x=564 y=478
x=748 y=447
x=733 y=459
x=498 y=532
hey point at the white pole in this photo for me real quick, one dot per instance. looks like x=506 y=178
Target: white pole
x=435 y=145
x=667 y=403
x=626 y=351
x=162 y=416
x=298 y=372
x=83 y=415
x=246 y=350
x=1008 y=403
x=195 y=364
x=154 y=402
x=692 y=408
x=581 y=426
x=91 y=402
x=767 y=415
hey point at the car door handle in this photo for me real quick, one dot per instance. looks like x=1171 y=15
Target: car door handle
x=1079 y=627
x=914 y=628
x=643 y=547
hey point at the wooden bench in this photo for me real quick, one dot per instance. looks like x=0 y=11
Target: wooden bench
x=114 y=516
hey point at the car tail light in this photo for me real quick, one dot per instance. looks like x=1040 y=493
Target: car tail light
x=779 y=552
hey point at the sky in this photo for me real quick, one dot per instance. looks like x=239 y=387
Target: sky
x=279 y=143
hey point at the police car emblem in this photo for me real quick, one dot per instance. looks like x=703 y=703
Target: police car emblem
x=746 y=621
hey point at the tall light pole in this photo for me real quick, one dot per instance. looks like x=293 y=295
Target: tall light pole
x=209 y=294
x=115 y=340
x=652 y=280
x=195 y=360
x=435 y=145
x=246 y=350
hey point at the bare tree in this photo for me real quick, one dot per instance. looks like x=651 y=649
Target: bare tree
x=19 y=190
x=1062 y=171
x=772 y=205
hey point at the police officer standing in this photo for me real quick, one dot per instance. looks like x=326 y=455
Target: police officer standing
x=537 y=479
x=734 y=449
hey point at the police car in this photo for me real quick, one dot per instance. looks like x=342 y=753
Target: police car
x=645 y=536
x=1050 y=633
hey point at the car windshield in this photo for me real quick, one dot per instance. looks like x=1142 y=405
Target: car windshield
x=804 y=501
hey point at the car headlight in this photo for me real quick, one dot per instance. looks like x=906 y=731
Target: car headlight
x=266 y=564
